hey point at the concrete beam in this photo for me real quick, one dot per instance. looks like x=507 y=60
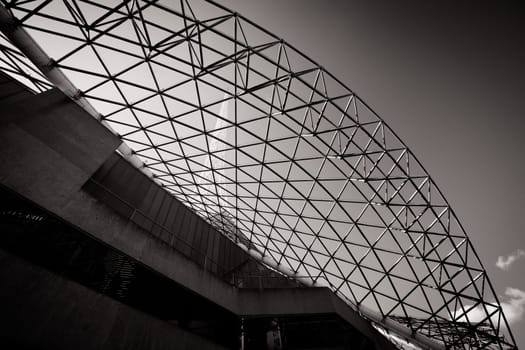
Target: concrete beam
x=49 y=147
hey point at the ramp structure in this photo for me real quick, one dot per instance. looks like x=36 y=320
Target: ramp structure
x=300 y=173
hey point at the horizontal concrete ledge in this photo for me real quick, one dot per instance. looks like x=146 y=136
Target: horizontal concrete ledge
x=305 y=301
x=45 y=311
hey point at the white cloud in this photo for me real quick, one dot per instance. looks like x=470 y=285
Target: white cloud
x=504 y=263
x=513 y=308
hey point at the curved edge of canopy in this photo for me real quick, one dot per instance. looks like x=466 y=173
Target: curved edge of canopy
x=29 y=47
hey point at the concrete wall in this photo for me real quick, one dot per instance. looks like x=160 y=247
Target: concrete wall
x=41 y=310
x=49 y=149
x=184 y=229
x=11 y=90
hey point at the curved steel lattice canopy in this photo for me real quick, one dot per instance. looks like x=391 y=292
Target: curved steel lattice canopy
x=274 y=151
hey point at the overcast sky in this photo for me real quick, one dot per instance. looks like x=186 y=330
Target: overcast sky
x=448 y=77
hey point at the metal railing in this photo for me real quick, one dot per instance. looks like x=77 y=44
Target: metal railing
x=237 y=279
x=166 y=236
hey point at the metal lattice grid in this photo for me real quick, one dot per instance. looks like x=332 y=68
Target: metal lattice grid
x=14 y=63
x=272 y=150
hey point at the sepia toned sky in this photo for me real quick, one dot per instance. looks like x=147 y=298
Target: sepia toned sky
x=449 y=78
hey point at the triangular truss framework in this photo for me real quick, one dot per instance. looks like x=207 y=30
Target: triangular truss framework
x=300 y=169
